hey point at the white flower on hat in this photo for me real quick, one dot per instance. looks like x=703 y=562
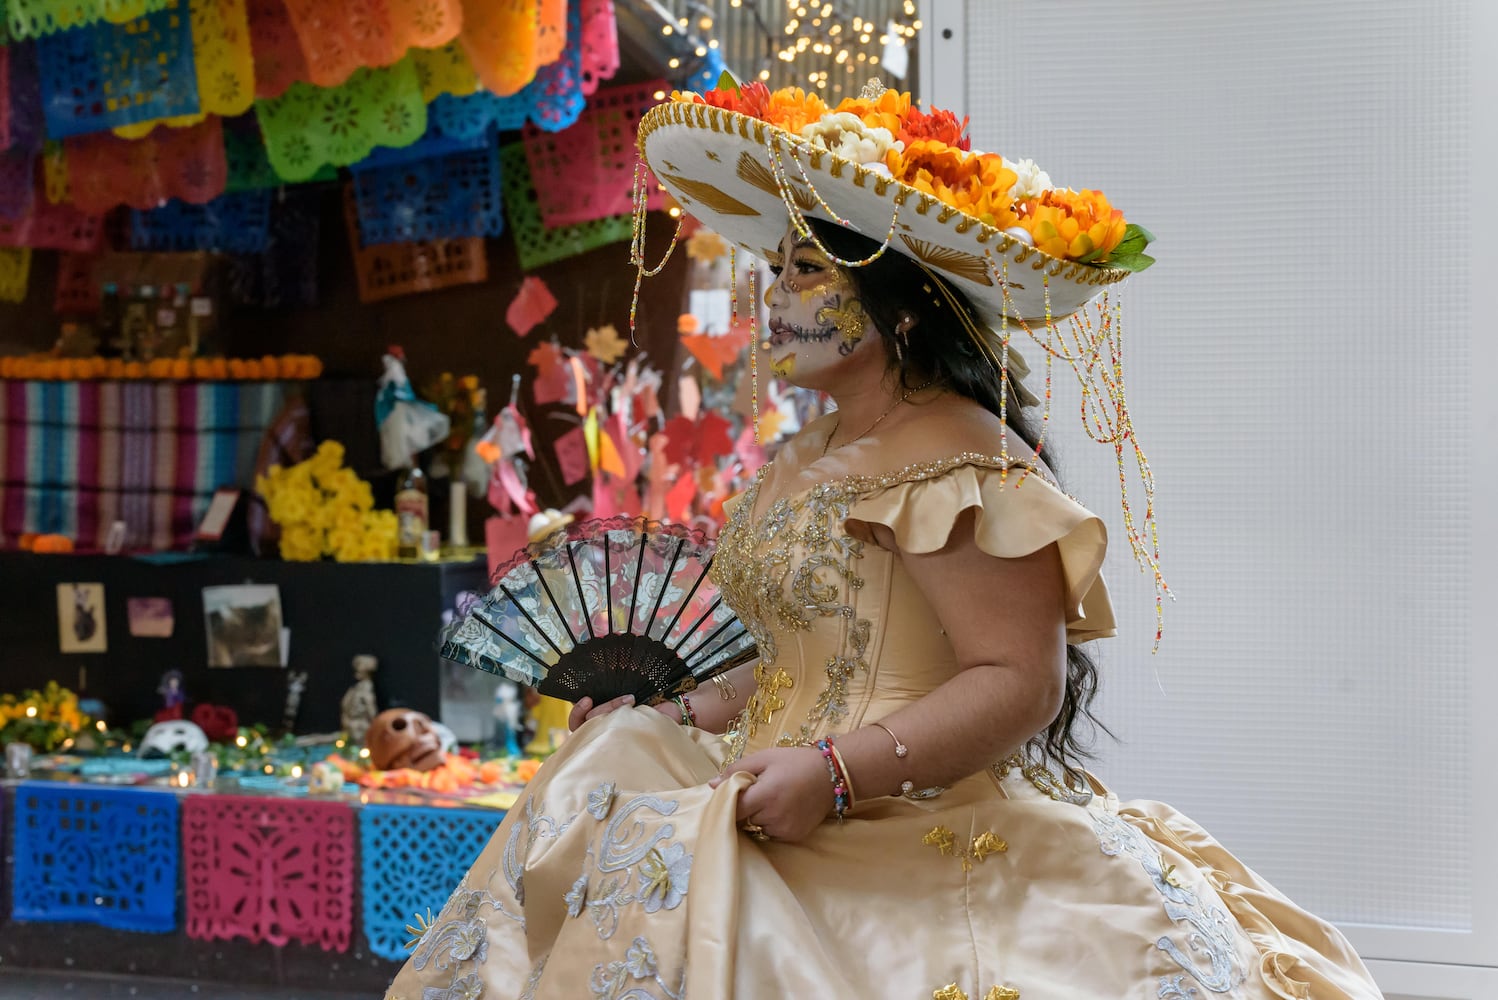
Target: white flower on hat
x=845 y=134
x=1033 y=182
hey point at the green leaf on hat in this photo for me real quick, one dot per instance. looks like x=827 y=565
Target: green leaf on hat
x=1135 y=239
x=1129 y=255
x=1133 y=262
x=727 y=82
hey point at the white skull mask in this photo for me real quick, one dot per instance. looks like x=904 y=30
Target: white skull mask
x=167 y=738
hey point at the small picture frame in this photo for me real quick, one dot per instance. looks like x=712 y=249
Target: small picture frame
x=216 y=519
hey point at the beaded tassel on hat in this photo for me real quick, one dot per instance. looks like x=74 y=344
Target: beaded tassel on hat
x=639 y=195
x=1095 y=355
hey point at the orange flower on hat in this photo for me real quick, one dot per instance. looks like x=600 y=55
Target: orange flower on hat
x=938 y=125
x=1074 y=225
x=974 y=184
x=751 y=99
x=888 y=110
x=792 y=109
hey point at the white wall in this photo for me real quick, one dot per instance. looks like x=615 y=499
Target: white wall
x=1309 y=374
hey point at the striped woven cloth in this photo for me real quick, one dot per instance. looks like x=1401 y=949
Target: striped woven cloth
x=77 y=456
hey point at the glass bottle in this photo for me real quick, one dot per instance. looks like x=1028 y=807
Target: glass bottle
x=411 y=511
x=108 y=320
x=144 y=338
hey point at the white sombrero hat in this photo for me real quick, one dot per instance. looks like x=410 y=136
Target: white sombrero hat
x=742 y=177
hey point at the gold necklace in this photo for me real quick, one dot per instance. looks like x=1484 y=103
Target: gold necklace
x=826 y=445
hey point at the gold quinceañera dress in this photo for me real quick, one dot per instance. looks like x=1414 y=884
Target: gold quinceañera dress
x=621 y=874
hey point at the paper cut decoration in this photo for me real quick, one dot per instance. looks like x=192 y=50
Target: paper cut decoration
x=688 y=397
x=80 y=618
x=715 y=351
x=503 y=537
x=605 y=344
x=613 y=497
x=572 y=456
x=699 y=443
x=603 y=453
x=553 y=382
x=706 y=245
x=531 y=305
x=679 y=498
x=150 y=617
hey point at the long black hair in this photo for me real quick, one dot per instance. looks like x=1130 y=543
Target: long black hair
x=939 y=348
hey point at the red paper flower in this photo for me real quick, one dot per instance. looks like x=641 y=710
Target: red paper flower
x=699 y=443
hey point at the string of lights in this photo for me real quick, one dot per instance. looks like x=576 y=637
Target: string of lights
x=831 y=46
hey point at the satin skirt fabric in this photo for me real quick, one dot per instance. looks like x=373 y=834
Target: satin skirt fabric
x=620 y=873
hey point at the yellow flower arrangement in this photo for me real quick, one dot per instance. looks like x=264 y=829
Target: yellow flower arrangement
x=977 y=184
x=324 y=509
x=45 y=719
x=1074 y=225
x=888 y=111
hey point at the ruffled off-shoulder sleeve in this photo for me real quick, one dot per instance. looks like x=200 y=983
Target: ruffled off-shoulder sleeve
x=1016 y=516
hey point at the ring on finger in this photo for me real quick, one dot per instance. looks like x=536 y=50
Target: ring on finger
x=755 y=831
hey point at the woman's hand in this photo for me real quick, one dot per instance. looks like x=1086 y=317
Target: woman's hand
x=791 y=794
x=584 y=710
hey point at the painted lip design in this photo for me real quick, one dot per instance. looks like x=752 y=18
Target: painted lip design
x=780 y=333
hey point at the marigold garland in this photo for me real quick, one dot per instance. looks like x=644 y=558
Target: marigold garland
x=48 y=368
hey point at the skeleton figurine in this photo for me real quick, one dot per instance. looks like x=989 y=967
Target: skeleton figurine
x=296 y=683
x=358 y=707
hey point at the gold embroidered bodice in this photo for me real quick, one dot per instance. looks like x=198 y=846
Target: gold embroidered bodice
x=842 y=630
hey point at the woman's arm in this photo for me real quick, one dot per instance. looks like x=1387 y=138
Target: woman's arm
x=713 y=710
x=1006 y=621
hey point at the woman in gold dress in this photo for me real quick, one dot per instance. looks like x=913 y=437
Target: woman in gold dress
x=896 y=807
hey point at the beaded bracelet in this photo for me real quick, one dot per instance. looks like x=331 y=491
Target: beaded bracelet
x=842 y=765
x=839 y=783
x=688 y=717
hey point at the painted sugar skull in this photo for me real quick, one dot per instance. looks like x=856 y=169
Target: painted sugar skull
x=401 y=737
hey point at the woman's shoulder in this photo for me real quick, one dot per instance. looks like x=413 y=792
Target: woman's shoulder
x=948 y=427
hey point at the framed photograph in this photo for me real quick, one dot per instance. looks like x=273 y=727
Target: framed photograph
x=216 y=518
x=150 y=617
x=80 y=618
x=243 y=624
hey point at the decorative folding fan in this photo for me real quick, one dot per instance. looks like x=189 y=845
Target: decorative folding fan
x=604 y=608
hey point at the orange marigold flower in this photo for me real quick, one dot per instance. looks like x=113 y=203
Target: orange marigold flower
x=888 y=110
x=752 y=99
x=1074 y=225
x=792 y=109
x=939 y=125
x=974 y=184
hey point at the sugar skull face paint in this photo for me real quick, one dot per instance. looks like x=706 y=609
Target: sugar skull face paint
x=815 y=316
